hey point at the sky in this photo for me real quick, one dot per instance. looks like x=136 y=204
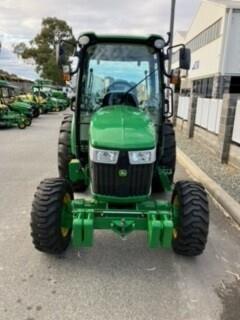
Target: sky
x=20 y=20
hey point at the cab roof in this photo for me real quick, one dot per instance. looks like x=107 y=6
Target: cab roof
x=112 y=38
x=6 y=84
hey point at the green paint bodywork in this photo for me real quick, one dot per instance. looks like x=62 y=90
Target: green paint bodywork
x=78 y=173
x=21 y=108
x=153 y=216
x=15 y=105
x=163 y=175
x=122 y=128
x=10 y=118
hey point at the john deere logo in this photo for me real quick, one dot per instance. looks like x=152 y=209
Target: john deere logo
x=122 y=173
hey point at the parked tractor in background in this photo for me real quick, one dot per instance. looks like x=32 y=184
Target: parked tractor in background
x=37 y=103
x=53 y=98
x=8 y=98
x=120 y=143
x=10 y=118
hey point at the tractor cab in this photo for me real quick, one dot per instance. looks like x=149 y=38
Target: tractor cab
x=121 y=74
x=8 y=96
x=7 y=92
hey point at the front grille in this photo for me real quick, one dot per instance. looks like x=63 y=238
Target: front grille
x=106 y=179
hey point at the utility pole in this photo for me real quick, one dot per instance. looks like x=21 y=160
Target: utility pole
x=172 y=20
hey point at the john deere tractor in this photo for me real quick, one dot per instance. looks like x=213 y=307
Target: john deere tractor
x=10 y=118
x=120 y=143
x=8 y=98
x=52 y=99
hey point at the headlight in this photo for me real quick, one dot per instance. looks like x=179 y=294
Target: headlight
x=142 y=157
x=103 y=156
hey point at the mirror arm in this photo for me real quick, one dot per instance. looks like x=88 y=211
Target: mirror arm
x=176 y=46
x=78 y=64
x=169 y=39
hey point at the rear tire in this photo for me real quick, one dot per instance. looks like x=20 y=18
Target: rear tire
x=28 y=122
x=47 y=206
x=21 y=125
x=192 y=223
x=64 y=152
x=168 y=159
x=36 y=113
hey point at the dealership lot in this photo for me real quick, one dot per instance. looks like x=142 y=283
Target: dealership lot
x=115 y=279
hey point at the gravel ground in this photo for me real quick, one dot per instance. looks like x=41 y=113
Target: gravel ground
x=225 y=175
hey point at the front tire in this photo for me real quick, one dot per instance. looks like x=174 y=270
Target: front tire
x=51 y=198
x=192 y=218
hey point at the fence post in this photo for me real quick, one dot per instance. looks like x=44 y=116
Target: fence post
x=175 y=108
x=192 y=115
x=227 y=124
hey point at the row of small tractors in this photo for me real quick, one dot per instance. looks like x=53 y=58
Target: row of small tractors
x=19 y=110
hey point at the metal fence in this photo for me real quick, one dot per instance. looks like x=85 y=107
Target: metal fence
x=208 y=114
x=183 y=107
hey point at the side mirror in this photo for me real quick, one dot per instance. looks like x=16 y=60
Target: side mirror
x=184 y=58
x=60 y=56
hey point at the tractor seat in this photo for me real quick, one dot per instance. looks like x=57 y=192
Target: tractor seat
x=116 y=98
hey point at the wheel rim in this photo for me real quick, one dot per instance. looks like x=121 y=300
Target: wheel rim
x=22 y=125
x=65 y=210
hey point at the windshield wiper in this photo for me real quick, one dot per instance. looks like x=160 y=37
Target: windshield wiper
x=141 y=81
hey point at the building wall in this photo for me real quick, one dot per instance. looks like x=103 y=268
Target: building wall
x=206 y=61
x=208 y=13
x=214 y=40
x=232 y=64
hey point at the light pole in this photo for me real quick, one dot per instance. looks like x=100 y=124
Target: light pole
x=172 y=20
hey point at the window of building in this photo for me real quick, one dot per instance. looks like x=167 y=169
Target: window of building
x=235 y=85
x=202 y=39
x=203 y=87
x=206 y=36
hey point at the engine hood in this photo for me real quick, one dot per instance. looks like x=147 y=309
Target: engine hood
x=122 y=128
x=21 y=105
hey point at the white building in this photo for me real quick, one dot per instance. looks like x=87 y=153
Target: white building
x=214 y=39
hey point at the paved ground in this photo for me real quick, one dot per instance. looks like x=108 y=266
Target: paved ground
x=115 y=279
x=225 y=175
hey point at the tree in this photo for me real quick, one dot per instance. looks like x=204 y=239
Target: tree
x=42 y=48
x=19 y=48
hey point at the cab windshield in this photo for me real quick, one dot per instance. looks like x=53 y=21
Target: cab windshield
x=121 y=74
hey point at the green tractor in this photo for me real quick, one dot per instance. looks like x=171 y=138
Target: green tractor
x=10 y=118
x=45 y=90
x=120 y=143
x=61 y=96
x=36 y=103
x=8 y=98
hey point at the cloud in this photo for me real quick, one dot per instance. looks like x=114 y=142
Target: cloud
x=10 y=63
x=20 y=20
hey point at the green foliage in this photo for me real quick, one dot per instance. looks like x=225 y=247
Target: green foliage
x=42 y=48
